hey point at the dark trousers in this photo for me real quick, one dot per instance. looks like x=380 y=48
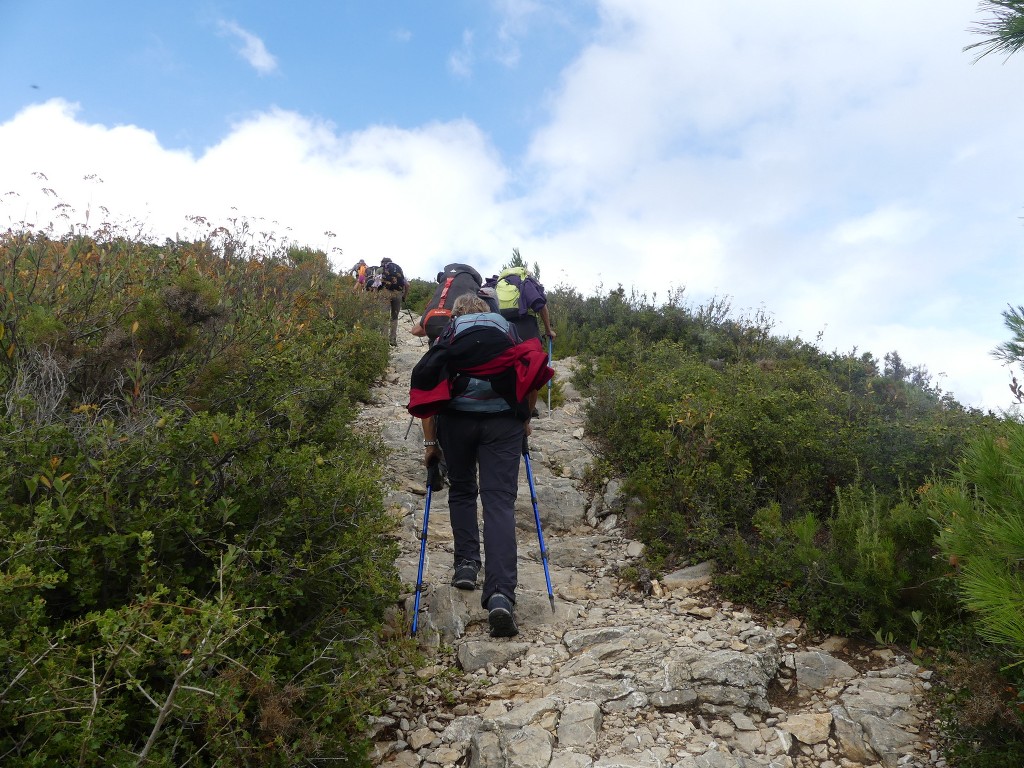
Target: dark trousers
x=492 y=445
x=526 y=326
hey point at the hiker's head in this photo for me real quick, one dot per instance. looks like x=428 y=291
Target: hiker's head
x=469 y=304
x=490 y=297
x=384 y=261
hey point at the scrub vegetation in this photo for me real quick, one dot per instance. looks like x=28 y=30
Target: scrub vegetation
x=195 y=565
x=851 y=491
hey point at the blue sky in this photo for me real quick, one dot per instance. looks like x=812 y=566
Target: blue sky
x=844 y=167
x=187 y=70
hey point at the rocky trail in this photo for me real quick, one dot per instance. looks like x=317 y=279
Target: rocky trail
x=614 y=678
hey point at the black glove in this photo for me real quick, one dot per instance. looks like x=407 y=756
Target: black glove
x=436 y=473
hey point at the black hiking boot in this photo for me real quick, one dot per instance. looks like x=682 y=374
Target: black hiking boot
x=465 y=574
x=499 y=616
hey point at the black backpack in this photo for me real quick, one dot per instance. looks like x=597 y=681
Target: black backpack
x=453 y=282
x=392 y=278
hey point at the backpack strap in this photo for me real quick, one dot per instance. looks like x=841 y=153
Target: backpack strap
x=444 y=291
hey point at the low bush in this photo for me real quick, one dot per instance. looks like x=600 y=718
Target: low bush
x=819 y=482
x=869 y=570
x=196 y=565
x=703 y=448
x=716 y=448
x=420 y=293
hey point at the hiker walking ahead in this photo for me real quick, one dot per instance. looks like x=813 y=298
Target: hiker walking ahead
x=358 y=272
x=482 y=419
x=392 y=280
x=521 y=300
x=454 y=281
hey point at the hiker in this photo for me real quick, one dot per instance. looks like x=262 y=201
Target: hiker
x=392 y=280
x=482 y=421
x=372 y=278
x=452 y=282
x=489 y=295
x=521 y=300
x=359 y=273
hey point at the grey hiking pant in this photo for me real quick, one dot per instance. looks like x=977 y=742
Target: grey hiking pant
x=395 y=297
x=491 y=444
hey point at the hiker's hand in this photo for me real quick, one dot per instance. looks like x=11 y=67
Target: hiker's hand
x=436 y=476
x=527 y=428
x=551 y=333
x=431 y=455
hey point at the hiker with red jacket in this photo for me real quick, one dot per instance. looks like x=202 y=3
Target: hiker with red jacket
x=477 y=379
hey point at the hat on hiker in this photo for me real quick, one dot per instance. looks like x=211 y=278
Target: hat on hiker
x=384 y=261
x=490 y=296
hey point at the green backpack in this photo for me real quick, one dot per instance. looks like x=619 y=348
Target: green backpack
x=508 y=291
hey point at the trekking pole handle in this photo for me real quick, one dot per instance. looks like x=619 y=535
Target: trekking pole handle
x=435 y=475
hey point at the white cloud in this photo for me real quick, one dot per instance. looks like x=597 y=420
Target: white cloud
x=515 y=17
x=416 y=196
x=843 y=166
x=460 y=62
x=892 y=224
x=847 y=161
x=252 y=48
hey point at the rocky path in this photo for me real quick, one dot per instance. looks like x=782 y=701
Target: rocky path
x=614 y=678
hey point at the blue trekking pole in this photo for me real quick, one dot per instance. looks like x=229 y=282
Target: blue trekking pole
x=434 y=477
x=552 y=378
x=536 y=517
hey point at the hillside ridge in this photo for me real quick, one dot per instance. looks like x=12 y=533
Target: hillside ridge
x=671 y=678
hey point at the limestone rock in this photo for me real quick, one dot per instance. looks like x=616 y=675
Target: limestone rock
x=817 y=670
x=474 y=655
x=809 y=728
x=579 y=724
x=688 y=578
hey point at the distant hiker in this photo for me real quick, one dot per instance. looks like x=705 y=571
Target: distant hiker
x=392 y=279
x=477 y=379
x=359 y=273
x=521 y=300
x=454 y=281
x=373 y=275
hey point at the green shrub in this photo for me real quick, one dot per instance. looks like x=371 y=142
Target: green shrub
x=980 y=708
x=792 y=467
x=982 y=533
x=704 y=449
x=870 y=570
x=718 y=428
x=195 y=561
x=420 y=293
